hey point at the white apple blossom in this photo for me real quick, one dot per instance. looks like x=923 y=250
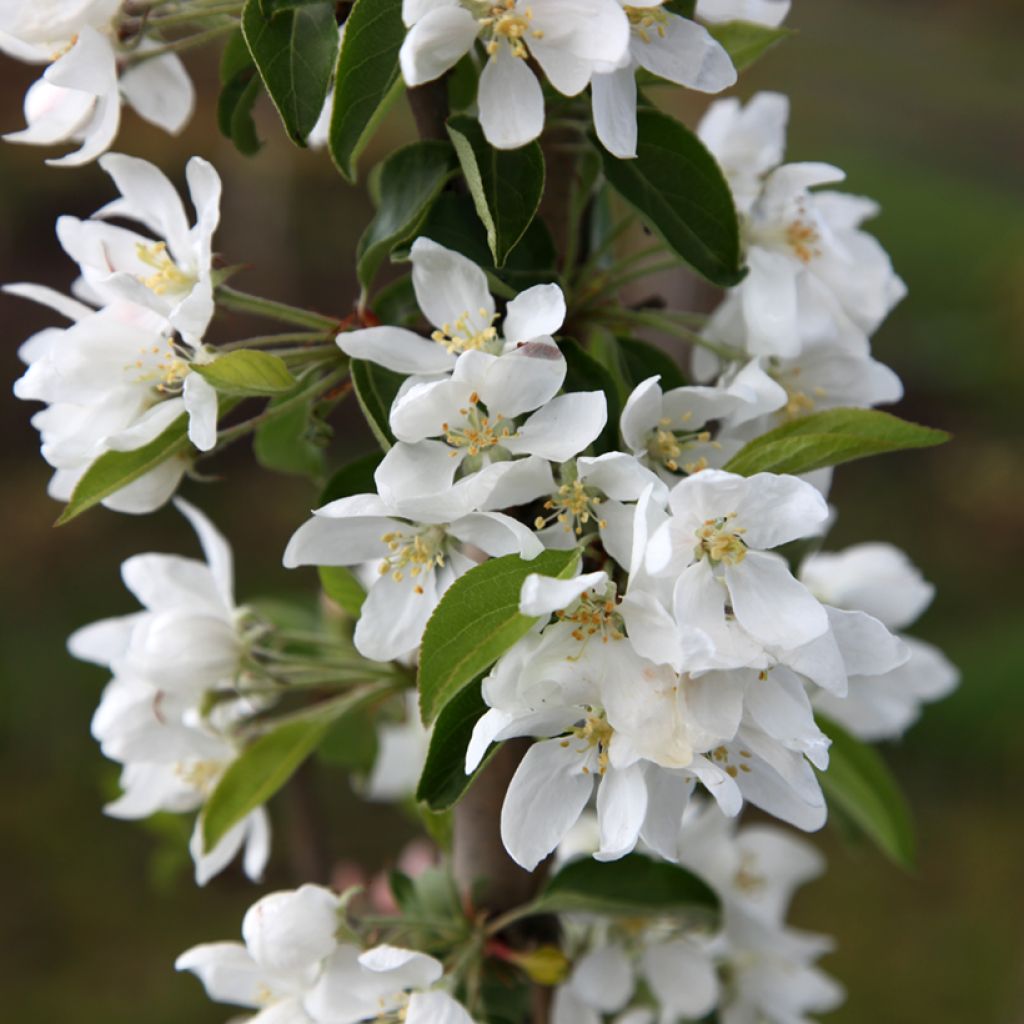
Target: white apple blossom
x=166 y=661
x=453 y=295
x=79 y=96
x=879 y=580
x=771 y=13
x=414 y=563
x=668 y=46
x=569 y=40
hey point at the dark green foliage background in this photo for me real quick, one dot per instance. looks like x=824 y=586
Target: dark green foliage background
x=920 y=102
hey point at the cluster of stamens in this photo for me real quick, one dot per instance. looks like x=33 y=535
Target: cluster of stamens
x=413 y=554
x=506 y=22
x=460 y=337
x=720 y=755
x=168 y=276
x=171 y=368
x=644 y=19
x=201 y=775
x=720 y=541
x=798 y=401
x=594 y=615
x=573 y=506
x=478 y=431
x=747 y=879
x=667 y=446
x=802 y=236
x=594 y=731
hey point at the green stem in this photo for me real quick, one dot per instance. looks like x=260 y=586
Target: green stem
x=179 y=45
x=243 y=302
x=647 y=318
x=193 y=16
x=231 y=434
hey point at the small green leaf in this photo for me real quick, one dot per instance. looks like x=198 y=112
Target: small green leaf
x=633 y=886
x=745 y=41
x=294 y=51
x=478 y=620
x=367 y=79
x=341 y=586
x=410 y=180
x=444 y=778
x=375 y=390
x=114 y=470
x=268 y=763
x=240 y=85
x=860 y=785
x=677 y=187
x=506 y=184
x=292 y=442
x=247 y=373
x=351 y=742
x=829 y=439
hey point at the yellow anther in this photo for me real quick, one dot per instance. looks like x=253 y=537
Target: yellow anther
x=720 y=541
x=595 y=732
x=477 y=432
x=594 y=615
x=803 y=238
x=647 y=19
x=415 y=553
x=573 y=506
x=169 y=277
x=461 y=336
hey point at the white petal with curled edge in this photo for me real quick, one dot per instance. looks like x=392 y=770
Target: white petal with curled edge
x=418 y=470
x=770 y=604
x=604 y=978
x=101 y=642
x=58 y=302
x=435 y=43
x=683 y=979
x=151 y=490
x=563 y=428
x=210 y=864
x=545 y=798
x=160 y=91
x=395 y=614
x=200 y=398
x=435 y=1008
x=537 y=312
x=99 y=133
x=89 y=65
x=686 y=54
x=774 y=509
x=228 y=973
x=496 y=534
x=257 y=845
x=293 y=929
x=621 y=477
x=641 y=413
x=668 y=794
x=510 y=100
x=344 y=540
x=613 y=97
x=52 y=114
x=769 y=301
x=544 y=595
x=428 y=409
x=216 y=550
x=449 y=286
x=396 y=349
x=406 y=968
x=523 y=379
x=621 y=809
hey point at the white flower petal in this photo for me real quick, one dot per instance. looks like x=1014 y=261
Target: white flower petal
x=563 y=428
x=613 y=97
x=544 y=595
x=621 y=809
x=435 y=43
x=535 y=313
x=510 y=100
x=396 y=349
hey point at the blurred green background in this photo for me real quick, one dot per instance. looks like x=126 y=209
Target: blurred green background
x=922 y=102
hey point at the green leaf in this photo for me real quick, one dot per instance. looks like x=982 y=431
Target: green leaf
x=745 y=41
x=351 y=742
x=452 y=222
x=268 y=763
x=367 y=78
x=506 y=184
x=114 y=470
x=478 y=620
x=643 y=360
x=294 y=51
x=410 y=180
x=677 y=187
x=356 y=477
x=634 y=886
x=444 y=779
x=292 y=441
x=375 y=390
x=585 y=373
x=247 y=373
x=861 y=786
x=240 y=85
x=341 y=586
x=829 y=439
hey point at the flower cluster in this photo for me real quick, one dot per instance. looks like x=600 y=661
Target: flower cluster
x=121 y=373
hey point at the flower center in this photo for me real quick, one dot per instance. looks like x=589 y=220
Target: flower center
x=594 y=614
x=747 y=879
x=167 y=275
x=200 y=775
x=166 y=366
x=667 y=446
x=478 y=431
x=413 y=553
x=722 y=757
x=594 y=731
x=506 y=21
x=646 y=19
x=460 y=336
x=803 y=238
x=720 y=541
x=573 y=506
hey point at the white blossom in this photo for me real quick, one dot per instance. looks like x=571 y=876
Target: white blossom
x=78 y=98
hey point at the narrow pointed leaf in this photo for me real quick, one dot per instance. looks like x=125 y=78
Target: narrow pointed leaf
x=506 y=184
x=677 y=187
x=367 y=78
x=294 y=50
x=477 y=621
x=829 y=439
x=746 y=42
x=375 y=390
